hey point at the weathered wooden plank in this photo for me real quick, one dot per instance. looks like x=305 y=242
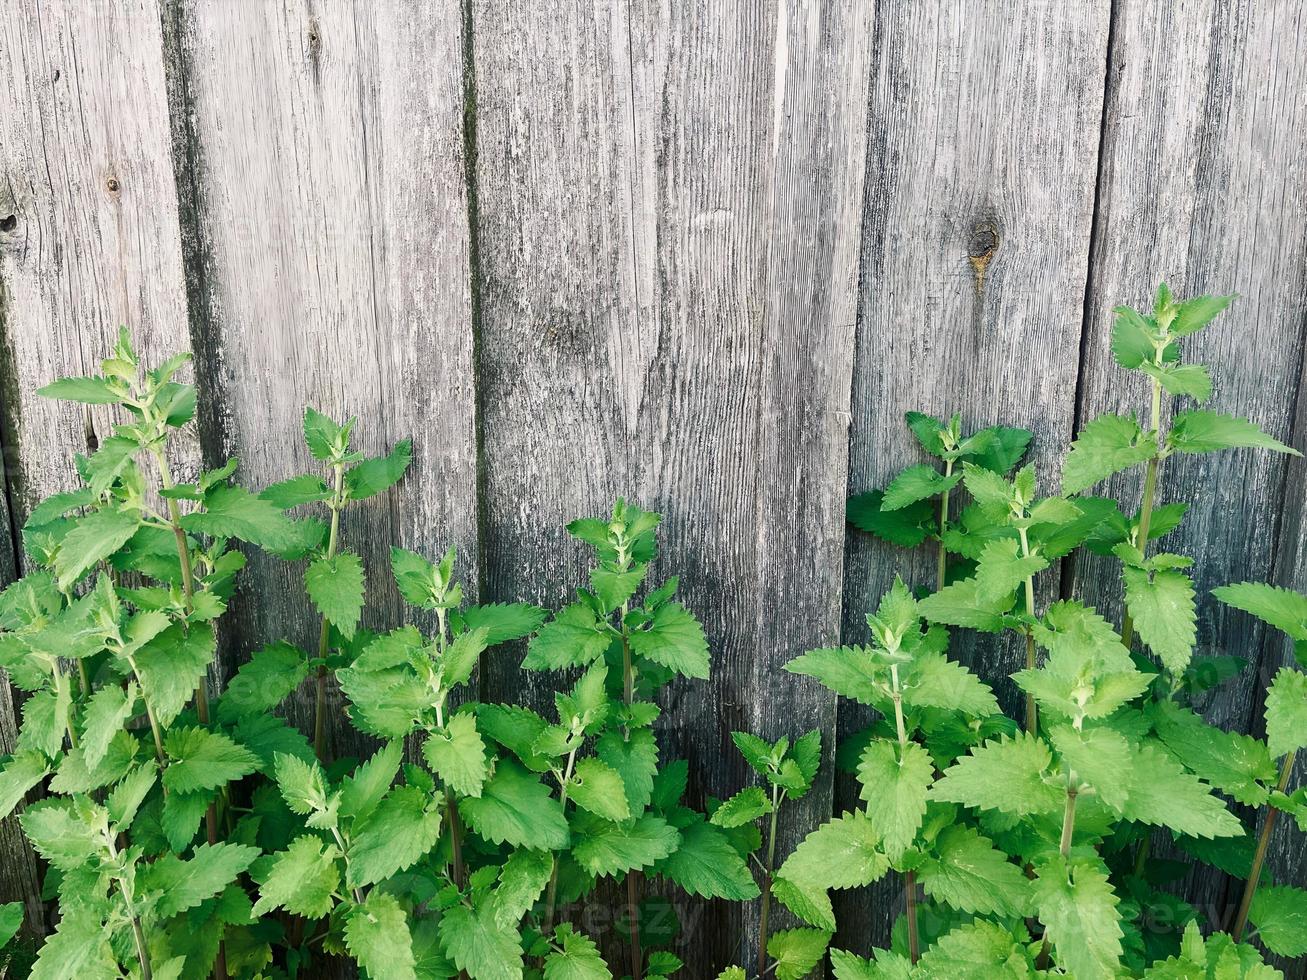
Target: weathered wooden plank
x=327 y=230
x=983 y=135
x=88 y=228
x=1199 y=190
x=669 y=203
x=1287 y=858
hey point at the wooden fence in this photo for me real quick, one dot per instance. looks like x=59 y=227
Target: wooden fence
x=703 y=253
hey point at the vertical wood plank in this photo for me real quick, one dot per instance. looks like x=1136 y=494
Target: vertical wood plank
x=1201 y=189
x=88 y=233
x=329 y=238
x=1286 y=860
x=669 y=201
x=983 y=136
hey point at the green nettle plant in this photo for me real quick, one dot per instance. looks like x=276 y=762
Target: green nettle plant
x=190 y=831
x=1033 y=846
x=625 y=813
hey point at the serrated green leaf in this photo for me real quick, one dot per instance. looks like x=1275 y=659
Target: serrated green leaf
x=22 y=772
x=1107 y=445
x=675 y=640
x=1076 y=903
x=380 y=473
x=842 y=853
x=397 y=833
x=78 y=950
x=615 y=586
x=960 y=604
x=907 y=527
x=92 y=539
x=1162 y=606
x=636 y=760
x=1163 y=794
x=458 y=755
x=1280 y=914
x=1192 y=380
x=797 y=951
x=361 y=792
x=377 y=936
x=577 y=957
x=336 y=587
x=524 y=876
x=1007 y=774
x=917 y=483
x=1194 y=314
x=975 y=950
x=1002 y=449
x=504 y=621
x=706 y=864
x=107 y=710
x=1286 y=712
x=743 y=808
x=233 y=512
x=516 y=808
x=185 y=884
x=573 y=638
x=1002 y=569
x=203 y=760
x=1100 y=758
x=968 y=873
x=607 y=848
x=86 y=391
x=296 y=491
x=1282 y=608
x=323 y=436
x=263 y=682
x=894 y=783
x=934 y=681
x=1200 y=431
x=1234 y=763
x=480 y=945
x=851 y=672
x=301 y=879
x=598 y=788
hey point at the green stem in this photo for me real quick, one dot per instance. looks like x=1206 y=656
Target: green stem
x=154 y=722
x=324 y=634
x=910 y=880
x=632 y=877
x=188 y=574
x=60 y=684
x=1032 y=709
x=138 y=934
x=1150 y=492
x=344 y=852
x=941 y=566
x=765 y=910
x=1259 y=856
x=1068 y=830
x=552 y=893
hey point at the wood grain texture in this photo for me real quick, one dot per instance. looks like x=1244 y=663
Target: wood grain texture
x=1200 y=189
x=669 y=202
x=329 y=238
x=1286 y=861
x=89 y=237
x=972 y=279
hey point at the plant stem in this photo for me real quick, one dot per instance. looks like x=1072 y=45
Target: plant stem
x=552 y=894
x=344 y=852
x=154 y=722
x=1146 y=505
x=910 y=879
x=765 y=910
x=324 y=635
x=632 y=877
x=1068 y=830
x=941 y=566
x=188 y=575
x=138 y=934
x=1032 y=710
x=1259 y=856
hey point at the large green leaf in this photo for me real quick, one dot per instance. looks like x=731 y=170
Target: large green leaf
x=605 y=847
x=675 y=640
x=516 y=808
x=1007 y=774
x=1106 y=445
x=336 y=586
x=1201 y=431
x=396 y=834
x=1076 y=903
x=1280 y=914
x=1286 y=712
x=1162 y=606
x=706 y=864
x=968 y=873
x=377 y=936
x=894 y=783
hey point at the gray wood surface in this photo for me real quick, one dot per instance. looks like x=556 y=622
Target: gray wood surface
x=971 y=284
x=1201 y=190
x=668 y=213
x=328 y=237
x=89 y=236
